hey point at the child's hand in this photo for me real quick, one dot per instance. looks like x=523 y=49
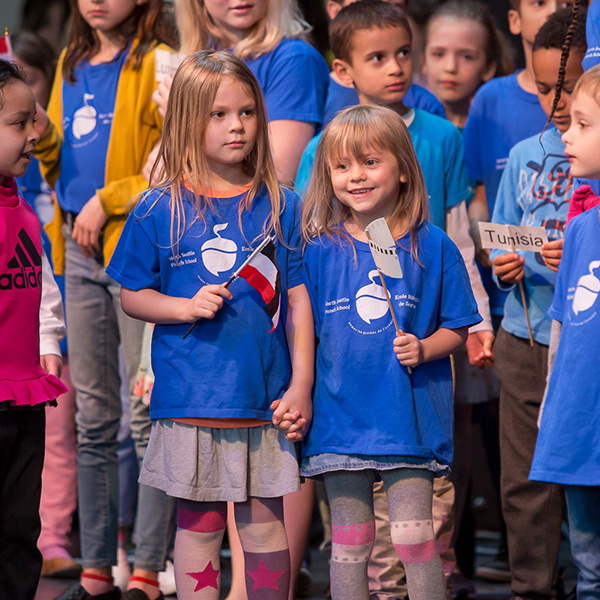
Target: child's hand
x=206 y=303
x=409 y=350
x=480 y=348
x=51 y=363
x=509 y=267
x=147 y=168
x=41 y=119
x=161 y=94
x=293 y=413
x=88 y=225
x=552 y=253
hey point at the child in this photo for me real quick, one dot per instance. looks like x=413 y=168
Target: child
x=568 y=442
x=463 y=49
x=340 y=96
x=26 y=385
x=366 y=168
x=535 y=190
x=103 y=125
x=213 y=440
x=292 y=74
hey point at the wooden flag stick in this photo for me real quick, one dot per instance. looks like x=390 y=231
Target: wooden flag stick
x=524 y=300
x=399 y=332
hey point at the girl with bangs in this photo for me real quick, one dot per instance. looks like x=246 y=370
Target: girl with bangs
x=215 y=437
x=365 y=169
x=267 y=36
x=100 y=127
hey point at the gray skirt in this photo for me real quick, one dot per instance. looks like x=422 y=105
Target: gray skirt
x=206 y=464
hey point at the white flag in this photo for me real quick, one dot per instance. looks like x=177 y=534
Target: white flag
x=383 y=248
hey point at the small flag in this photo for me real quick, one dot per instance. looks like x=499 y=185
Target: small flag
x=262 y=274
x=383 y=248
x=5 y=47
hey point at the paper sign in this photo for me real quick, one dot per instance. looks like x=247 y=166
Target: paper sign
x=383 y=248
x=165 y=63
x=512 y=237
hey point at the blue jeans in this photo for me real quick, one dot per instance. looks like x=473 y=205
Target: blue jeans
x=96 y=325
x=584 y=530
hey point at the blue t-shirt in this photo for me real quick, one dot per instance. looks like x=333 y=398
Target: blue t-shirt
x=365 y=402
x=592 y=34
x=502 y=113
x=440 y=152
x=293 y=79
x=230 y=366
x=88 y=111
x=535 y=190
x=340 y=97
x=568 y=444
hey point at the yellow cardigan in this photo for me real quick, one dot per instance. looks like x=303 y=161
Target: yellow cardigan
x=135 y=130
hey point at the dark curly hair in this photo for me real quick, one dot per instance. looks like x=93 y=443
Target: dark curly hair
x=9 y=72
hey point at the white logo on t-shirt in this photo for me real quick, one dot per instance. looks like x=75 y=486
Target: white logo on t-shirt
x=84 y=119
x=371 y=303
x=587 y=290
x=219 y=254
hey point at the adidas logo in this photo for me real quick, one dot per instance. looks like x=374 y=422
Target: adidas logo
x=29 y=262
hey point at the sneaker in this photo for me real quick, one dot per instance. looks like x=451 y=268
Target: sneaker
x=61 y=567
x=136 y=594
x=496 y=569
x=78 y=592
x=166 y=579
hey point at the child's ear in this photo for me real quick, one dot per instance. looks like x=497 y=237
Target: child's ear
x=333 y=8
x=403 y=178
x=514 y=22
x=490 y=72
x=343 y=71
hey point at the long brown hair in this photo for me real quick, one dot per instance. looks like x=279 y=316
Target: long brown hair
x=353 y=132
x=185 y=172
x=146 y=24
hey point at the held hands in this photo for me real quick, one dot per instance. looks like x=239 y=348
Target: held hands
x=206 y=303
x=409 y=350
x=161 y=94
x=552 y=253
x=480 y=348
x=88 y=225
x=508 y=267
x=293 y=413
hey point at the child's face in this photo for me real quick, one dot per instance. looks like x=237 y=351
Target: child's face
x=37 y=81
x=236 y=17
x=455 y=59
x=532 y=14
x=367 y=185
x=581 y=139
x=106 y=15
x=232 y=128
x=546 y=62
x=380 y=66
x=18 y=135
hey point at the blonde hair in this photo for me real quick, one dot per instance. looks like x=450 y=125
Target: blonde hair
x=185 y=172
x=197 y=30
x=353 y=132
x=589 y=83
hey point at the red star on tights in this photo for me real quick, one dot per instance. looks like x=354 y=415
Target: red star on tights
x=263 y=577
x=206 y=578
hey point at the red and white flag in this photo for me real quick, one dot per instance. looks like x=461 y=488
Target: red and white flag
x=262 y=274
x=5 y=47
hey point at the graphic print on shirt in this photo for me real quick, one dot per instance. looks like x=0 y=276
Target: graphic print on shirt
x=24 y=268
x=370 y=300
x=219 y=254
x=84 y=118
x=585 y=294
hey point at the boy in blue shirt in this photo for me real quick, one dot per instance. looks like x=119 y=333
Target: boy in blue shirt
x=535 y=190
x=504 y=111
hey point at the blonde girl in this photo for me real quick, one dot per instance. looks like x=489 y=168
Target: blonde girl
x=213 y=439
x=266 y=35
x=366 y=168
x=102 y=126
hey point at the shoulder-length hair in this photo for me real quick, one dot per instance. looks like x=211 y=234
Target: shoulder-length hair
x=145 y=24
x=184 y=171
x=354 y=132
x=197 y=30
